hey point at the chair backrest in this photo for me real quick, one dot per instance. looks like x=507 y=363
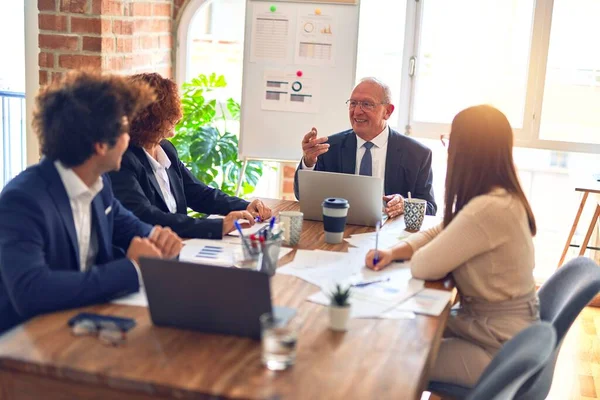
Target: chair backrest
x=562 y=298
x=519 y=358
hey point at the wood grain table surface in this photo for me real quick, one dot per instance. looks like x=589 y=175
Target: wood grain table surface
x=374 y=359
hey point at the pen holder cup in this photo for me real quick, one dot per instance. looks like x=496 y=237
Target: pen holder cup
x=270 y=256
x=265 y=255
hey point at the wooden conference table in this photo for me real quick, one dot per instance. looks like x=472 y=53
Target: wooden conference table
x=375 y=359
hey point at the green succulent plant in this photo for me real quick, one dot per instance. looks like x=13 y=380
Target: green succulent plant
x=340 y=296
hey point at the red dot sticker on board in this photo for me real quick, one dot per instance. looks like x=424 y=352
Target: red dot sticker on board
x=298 y=73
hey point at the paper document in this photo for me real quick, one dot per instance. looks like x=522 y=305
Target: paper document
x=135 y=299
x=378 y=299
x=250 y=230
x=271 y=39
x=428 y=302
x=211 y=252
x=286 y=91
x=315 y=40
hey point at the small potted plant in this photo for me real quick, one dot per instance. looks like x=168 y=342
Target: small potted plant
x=339 y=310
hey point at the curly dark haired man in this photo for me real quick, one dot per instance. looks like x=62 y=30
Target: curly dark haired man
x=61 y=227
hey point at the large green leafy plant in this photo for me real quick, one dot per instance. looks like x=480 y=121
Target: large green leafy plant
x=203 y=141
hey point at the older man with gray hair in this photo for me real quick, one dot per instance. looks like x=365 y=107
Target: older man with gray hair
x=374 y=149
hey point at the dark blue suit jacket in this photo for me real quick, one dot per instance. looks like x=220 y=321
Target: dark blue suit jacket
x=136 y=187
x=407 y=165
x=39 y=252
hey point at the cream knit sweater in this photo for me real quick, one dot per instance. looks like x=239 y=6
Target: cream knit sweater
x=488 y=248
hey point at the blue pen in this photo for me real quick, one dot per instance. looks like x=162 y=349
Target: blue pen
x=271 y=224
x=239 y=228
x=376 y=258
x=244 y=240
x=363 y=284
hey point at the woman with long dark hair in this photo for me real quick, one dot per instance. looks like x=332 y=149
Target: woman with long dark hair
x=485 y=242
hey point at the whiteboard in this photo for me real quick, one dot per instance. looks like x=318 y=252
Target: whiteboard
x=299 y=70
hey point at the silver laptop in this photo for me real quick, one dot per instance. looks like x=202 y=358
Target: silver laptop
x=364 y=193
x=208 y=298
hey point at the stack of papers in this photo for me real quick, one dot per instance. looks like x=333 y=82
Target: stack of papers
x=394 y=285
x=391 y=233
x=210 y=252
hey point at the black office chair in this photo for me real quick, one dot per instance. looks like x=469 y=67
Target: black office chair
x=562 y=298
x=521 y=357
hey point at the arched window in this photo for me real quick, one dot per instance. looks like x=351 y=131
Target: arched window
x=210 y=39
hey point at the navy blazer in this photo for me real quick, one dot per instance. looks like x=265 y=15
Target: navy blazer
x=39 y=252
x=135 y=185
x=407 y=165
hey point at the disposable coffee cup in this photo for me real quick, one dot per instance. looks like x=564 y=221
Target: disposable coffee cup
x=414 y=213
x=335 y=212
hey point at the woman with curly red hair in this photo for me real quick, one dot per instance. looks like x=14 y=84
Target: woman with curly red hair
x=155 y=185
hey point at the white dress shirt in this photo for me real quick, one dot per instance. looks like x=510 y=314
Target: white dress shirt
x=378 y=154
x=80 y=197
x=160 y=166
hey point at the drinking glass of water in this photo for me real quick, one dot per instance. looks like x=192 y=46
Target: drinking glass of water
x=279 y=339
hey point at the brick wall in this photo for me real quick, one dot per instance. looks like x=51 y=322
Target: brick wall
x=126 y=36
x=287 y=183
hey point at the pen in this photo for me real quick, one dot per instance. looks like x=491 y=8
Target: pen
x=376 y=258
x=363 y=284
x=239 y=228
x=244 y=240
x=272 y=224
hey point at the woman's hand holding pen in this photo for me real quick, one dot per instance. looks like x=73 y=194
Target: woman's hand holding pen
x=233 y=216
x=384 y=258
x=260 y=210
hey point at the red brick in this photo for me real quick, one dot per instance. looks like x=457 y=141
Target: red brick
x=153 y=25
x=165 y=72
x=47 y=5
x=161 y=25
x=124 y=45
x=148 y=42
x=121 y=27
x=141 y=60
x=141 y=9
x=165 y=41
x=107 y=7
x=51 y=22
x=161 y=10
x=161 y=58
x=143 y=25
x=46 y=60
x=57 y=76
x=73 y=6
x=58 y=42
x=289 y=171
x=97 y=44
x=86 y=25
x=74 y=61
x=110 y=7
x=117 y=63
x=288 y=186
x=106 y=26
x=43 y=77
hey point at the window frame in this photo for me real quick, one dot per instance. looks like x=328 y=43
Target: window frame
x=529 y=135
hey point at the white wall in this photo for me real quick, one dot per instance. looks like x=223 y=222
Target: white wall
x=31 y=75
